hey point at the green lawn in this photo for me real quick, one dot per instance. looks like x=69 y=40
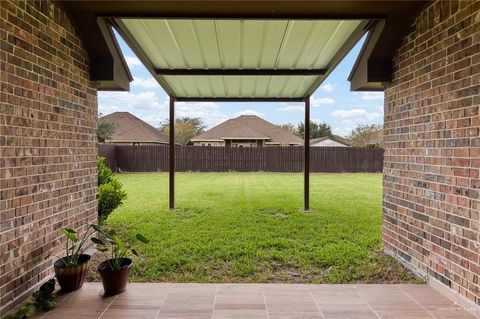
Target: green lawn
x=248 y=227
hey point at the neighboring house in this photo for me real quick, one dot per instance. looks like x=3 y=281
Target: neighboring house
x=129 y=129
x=328 y=141
x=246 y=131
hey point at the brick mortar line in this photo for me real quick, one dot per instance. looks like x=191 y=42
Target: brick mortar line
x=430 y=233
x=45 y=183
x=42 y=211
x=396 y=246
x=49 y=225
x=425 y=206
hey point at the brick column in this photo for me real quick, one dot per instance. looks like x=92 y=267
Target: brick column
x=48 y=111
x=432 y=147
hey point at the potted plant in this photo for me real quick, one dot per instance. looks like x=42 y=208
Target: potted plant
x=115 y=271
x=72 y=269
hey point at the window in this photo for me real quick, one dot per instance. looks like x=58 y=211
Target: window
x=203 y=144
x=209 y=144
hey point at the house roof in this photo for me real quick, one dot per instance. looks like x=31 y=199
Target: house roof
x=320 y=139
x=129 y=128
x=249 y=127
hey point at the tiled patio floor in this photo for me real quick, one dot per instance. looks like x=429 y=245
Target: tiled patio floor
x=270 y=301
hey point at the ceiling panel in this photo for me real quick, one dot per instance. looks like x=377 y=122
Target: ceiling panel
x=240 y=86
x=241 y=44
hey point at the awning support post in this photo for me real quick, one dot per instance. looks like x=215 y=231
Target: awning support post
x=306 y=158
x=171 y=175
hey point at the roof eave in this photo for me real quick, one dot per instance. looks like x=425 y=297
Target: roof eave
x=205 y=140
x=245 y=138
x=108 y=68
x=373 y=67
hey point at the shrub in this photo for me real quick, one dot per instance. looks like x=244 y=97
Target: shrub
x=110 y=193
x=105 y=174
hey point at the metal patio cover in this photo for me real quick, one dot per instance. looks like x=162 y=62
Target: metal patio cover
x=196 y=59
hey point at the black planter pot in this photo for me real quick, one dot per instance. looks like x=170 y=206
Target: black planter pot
x=72 y=278
x=115 y=282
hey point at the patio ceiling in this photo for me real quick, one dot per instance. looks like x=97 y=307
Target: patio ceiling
x=240 y=58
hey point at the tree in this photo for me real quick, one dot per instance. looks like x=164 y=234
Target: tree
x=289 y=127
x=105 y=130
x=185 y=128
x=365 y=135
x=316 y=130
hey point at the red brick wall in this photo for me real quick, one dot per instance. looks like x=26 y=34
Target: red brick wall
x=48 y=112
x=432 y=157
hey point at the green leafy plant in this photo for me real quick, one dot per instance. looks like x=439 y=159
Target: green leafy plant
x=114 y=248
x=43 y=299
x=105 y=174
x=74 y=247
x=110 y=193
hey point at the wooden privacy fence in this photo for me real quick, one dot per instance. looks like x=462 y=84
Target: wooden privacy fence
x=154 y=158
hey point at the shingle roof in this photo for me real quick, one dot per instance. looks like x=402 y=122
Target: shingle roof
x=249 y=126
x=129 y=128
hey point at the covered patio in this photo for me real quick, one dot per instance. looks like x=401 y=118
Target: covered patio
x=55 y=55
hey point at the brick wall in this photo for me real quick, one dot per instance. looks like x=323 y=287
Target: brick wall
x=432 y=157
x=48 y=112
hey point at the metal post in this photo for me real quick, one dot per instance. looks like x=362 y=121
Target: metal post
x=306 y=159
x=171 y=181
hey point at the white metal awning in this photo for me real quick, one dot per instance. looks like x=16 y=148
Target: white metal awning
x=220 y=58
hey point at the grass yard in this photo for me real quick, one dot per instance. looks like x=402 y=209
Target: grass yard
x=248 y=227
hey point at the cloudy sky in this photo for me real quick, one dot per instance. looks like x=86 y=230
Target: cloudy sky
x=332 y=103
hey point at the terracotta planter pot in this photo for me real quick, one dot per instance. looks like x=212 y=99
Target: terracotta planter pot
x=72 y=278
x=115 y=282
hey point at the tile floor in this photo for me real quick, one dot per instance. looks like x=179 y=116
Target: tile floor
x=269 y=301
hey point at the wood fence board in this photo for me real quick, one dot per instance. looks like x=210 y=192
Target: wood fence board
x=154 y=158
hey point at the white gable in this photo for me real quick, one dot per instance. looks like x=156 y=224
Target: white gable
x=328 y=142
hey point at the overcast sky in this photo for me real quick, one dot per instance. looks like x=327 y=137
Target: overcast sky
x=332 y=103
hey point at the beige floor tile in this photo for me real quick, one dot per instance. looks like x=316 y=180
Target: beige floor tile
x=240 y=298
x=388 y=298
x=88 y=299
x=61 y=313
x=129 y=314
x=290 y=303
x=348 y=311
x=289 y=290
x=454 y=314
x=239 y=306
x=404 y=314
x=295 y=315
x=136 y=300
x=343 y=296
x=427 y=296
x=194 y=288
x=240 y=314
x=185 y=316
x=186 y=309
x=188 y=303
x=242 y=289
